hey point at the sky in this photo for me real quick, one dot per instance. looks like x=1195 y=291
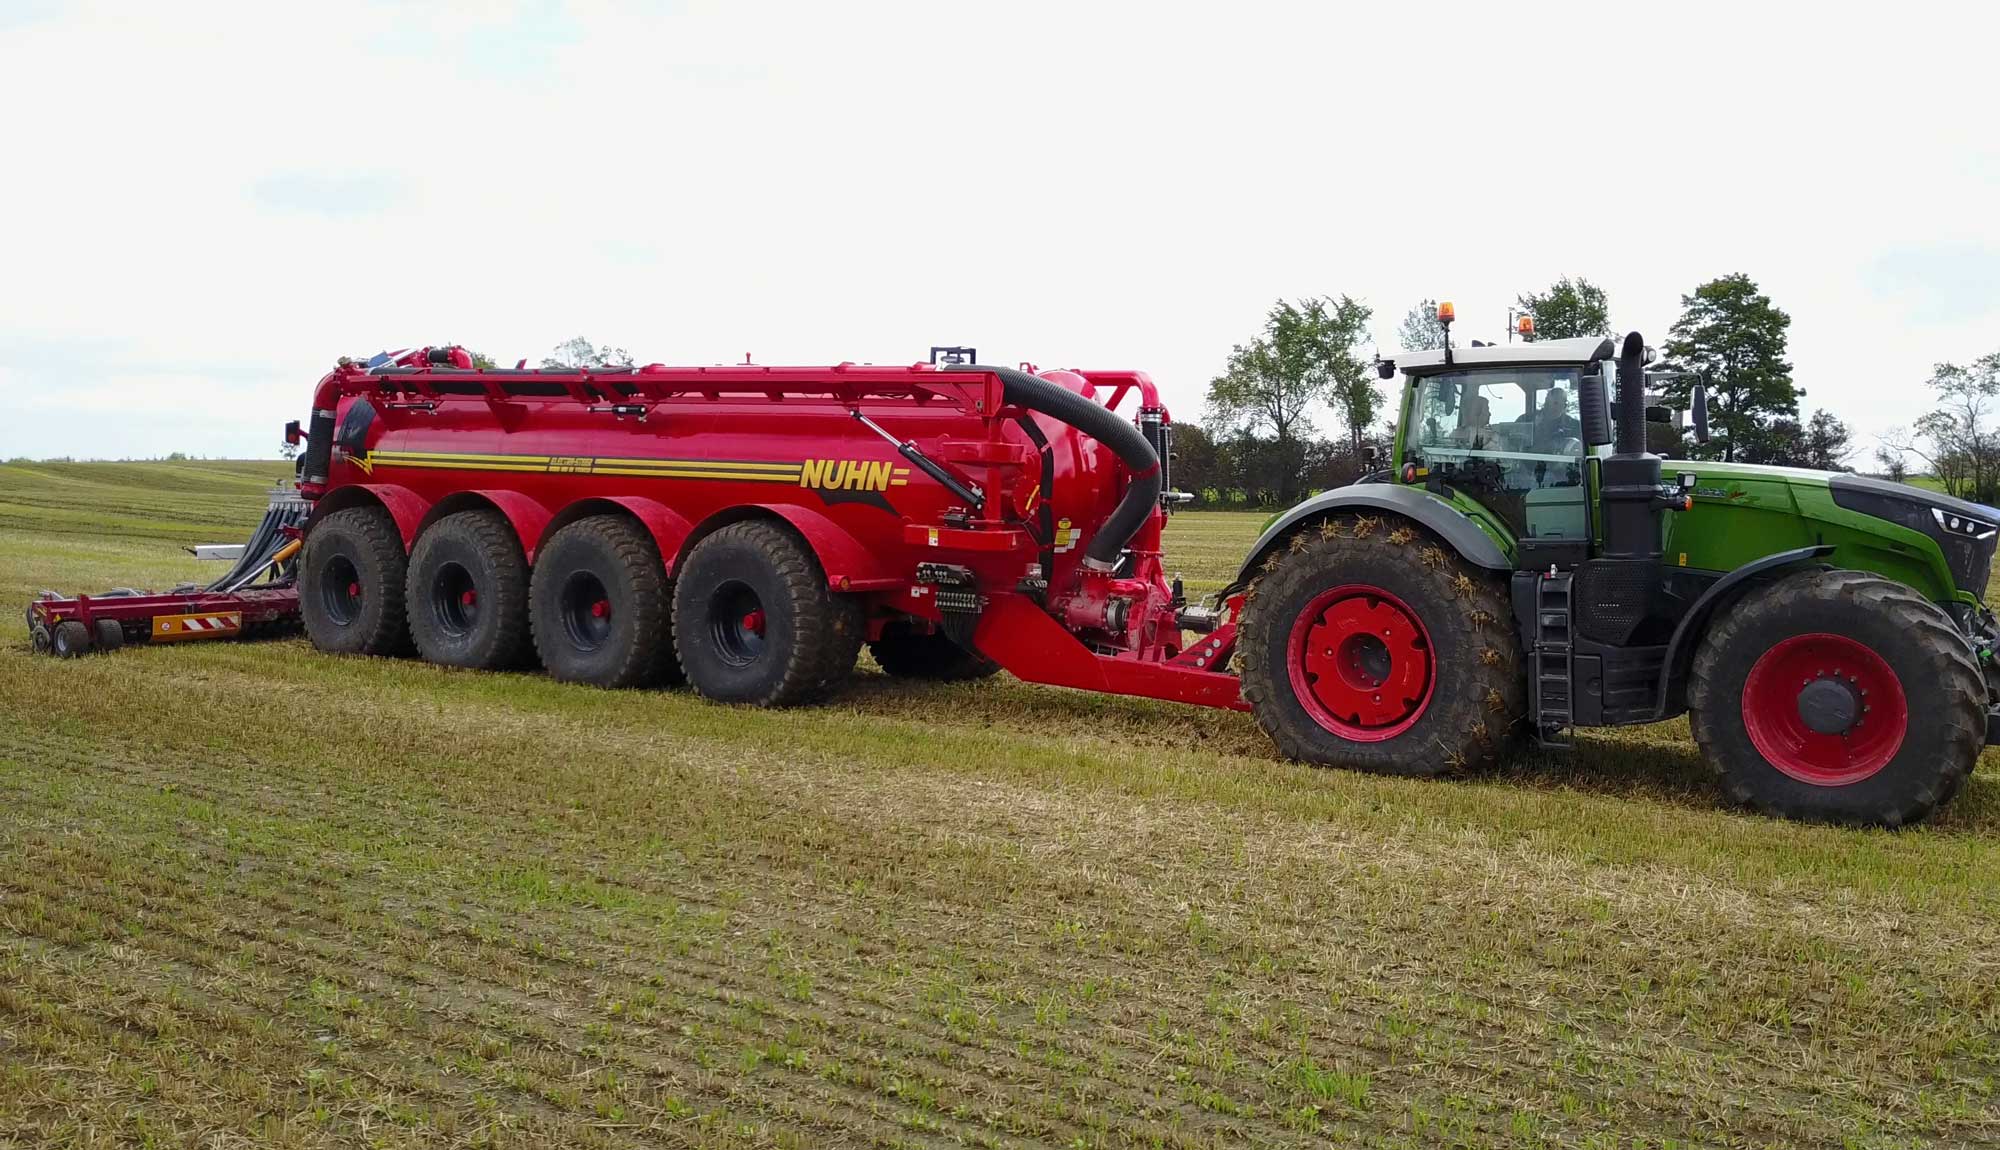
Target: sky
x=205 y=204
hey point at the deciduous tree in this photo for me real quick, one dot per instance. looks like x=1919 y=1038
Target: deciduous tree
x=1955 y=440
x=1305 y=356
x=1732 y=336
x=1420 y=329
x=1569 y=308
x=578 y=353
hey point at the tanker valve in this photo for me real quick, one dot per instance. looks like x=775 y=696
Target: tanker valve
x=1090 y=613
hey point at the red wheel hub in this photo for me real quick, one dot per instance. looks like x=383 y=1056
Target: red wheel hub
x=601 y=609
x=1361 y=663
x=469 y=598
x=754 y=622
x=1825 y=709
x=354 y=590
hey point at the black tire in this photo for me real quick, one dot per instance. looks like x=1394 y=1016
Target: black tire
x=351 y=576
x=110 y=635
x=598 y=603
x=907 y=651
x=468 y=593
x=1451 y=622
x=806 y=638
x=1832 y=618
x=70 y=639
x=39 y=638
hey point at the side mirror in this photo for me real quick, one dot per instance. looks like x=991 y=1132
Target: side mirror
x=1657 y=413
x=1385 y=368
x=1699 y=412
x=1370 y=453
x=1593 y=406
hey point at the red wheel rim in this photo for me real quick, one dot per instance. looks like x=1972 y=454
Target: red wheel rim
x=1361 y=663
x=1825 y=709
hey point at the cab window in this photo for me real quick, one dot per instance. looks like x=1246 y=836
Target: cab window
x=1508 y=437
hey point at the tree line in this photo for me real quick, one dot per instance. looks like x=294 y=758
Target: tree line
x=1261 y=440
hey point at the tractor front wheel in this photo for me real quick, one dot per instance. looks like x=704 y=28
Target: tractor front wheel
x=1368 y=643
x=1801 y=700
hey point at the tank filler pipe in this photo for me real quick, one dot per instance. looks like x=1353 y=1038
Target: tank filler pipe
x=1142 y=497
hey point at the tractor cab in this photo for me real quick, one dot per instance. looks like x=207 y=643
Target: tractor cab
x=1502 y=424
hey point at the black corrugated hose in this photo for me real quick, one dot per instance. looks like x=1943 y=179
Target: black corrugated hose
x=1105 y=426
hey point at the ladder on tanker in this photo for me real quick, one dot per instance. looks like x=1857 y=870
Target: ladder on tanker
x=1551 y=662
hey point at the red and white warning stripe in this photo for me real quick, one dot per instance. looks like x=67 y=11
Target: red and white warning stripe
x=206 y=625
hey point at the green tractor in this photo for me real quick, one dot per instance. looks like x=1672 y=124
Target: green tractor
x=1514 y=574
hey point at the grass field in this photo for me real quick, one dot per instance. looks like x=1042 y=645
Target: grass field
x=250 y=895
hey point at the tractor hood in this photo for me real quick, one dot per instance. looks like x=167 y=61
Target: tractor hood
x=1966 y=532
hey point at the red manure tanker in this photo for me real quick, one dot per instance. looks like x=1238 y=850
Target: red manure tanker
x=747 y=528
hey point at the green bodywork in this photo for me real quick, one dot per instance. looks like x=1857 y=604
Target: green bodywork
x=1743 y=512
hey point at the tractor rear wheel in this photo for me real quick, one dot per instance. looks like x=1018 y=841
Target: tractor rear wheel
x=1368 y=643
x=1801 y=697
x=754 y=620
x=351 y=576
x=468 y=593
x=598 y=604
x=907 y=652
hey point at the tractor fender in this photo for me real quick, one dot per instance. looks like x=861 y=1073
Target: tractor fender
x=1412 y=503
x=669 y=528
x=404 y=506
x=529 y=519
x=1721 y=593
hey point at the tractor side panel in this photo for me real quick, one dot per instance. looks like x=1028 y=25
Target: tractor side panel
x=1740 y=516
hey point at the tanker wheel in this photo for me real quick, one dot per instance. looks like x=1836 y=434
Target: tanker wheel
x=598 y=605
x=1368 y=643
x=39 y=638
x=69 y=639
x=1801 y=695
x=908 y=652
x=351 y=576
x=468 y=593
x=110 y=635
x=754 y=620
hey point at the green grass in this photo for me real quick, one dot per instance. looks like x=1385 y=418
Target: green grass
x=252 y=895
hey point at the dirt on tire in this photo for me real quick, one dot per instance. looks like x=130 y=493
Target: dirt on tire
x=1910 y=633
x=1477 y=700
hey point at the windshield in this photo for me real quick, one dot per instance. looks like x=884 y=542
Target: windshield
x=1509 y=437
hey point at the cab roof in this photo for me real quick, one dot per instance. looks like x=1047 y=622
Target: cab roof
x=1555 y=351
